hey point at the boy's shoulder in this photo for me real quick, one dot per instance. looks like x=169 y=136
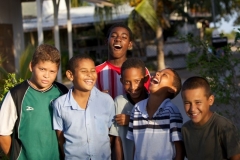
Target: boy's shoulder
x=61 y=87
x=21 y=85
x=102 y=95
x=167 y=104
x=122 y=97
x=101 y=66
x=221 y=120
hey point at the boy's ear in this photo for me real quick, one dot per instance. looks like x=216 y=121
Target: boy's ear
x=172 y=90
x=146 y=78
x=69 y=75
x=130 y=45
x=30 y=66
x=211 y=100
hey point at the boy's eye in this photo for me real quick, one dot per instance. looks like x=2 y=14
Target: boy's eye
x=113 y=35
x=52 y=72
x=124 y=37
x=126 y=82
x=164 y=75
x=137 y=81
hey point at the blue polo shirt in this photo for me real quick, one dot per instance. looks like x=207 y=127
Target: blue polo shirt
x=85 y=130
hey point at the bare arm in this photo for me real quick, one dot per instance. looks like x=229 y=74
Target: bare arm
x=179 y=150
x=118 y=148
x=61 y=141
x=235 y=157
x=5 y=144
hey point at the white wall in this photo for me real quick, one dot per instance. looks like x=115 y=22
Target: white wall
x=11 y=13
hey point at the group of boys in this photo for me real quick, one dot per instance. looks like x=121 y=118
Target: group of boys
x=116 y=107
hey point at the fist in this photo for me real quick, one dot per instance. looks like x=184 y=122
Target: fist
x=122 y=119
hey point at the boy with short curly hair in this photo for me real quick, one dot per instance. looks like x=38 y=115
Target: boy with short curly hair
x=26 y=130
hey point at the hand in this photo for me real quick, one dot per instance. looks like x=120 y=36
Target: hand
x=122 y=119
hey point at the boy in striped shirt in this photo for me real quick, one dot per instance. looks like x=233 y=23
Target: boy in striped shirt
x=109 y=73
x=155 y=123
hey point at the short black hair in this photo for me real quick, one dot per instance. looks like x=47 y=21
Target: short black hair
x=197 y=82
x=177 y=83
x=133 y=63
x=123 y=26
x=73 y=62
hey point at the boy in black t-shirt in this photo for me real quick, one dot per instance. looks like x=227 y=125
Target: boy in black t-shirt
x=207 y=136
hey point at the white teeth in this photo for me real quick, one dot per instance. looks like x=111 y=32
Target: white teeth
x=117 y=45
x=155 y=80
x=89 y=81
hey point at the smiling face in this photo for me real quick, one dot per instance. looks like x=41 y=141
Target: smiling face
x=162 y=81
x=197 y=105
x=84 y=75
x=119 y=42
x=43 y=74
x=133 y=82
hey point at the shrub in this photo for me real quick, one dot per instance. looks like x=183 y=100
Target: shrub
x=221 y=70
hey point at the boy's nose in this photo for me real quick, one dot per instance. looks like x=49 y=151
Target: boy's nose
x=118 y=38
x=46 y=75
x=133 y=87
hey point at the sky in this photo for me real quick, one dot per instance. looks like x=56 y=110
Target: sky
x=225 y=26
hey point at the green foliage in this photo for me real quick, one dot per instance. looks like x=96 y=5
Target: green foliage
x=10 y=82
x=25 y=59
x=221 y=70
x=237 y=36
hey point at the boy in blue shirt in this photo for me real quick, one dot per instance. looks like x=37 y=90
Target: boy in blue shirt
x=155 y=123
x=83 y=116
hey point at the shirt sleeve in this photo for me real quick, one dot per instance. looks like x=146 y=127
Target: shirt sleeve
x=130 y=127
x=112 y=112
x=8 y=115
x=230 y=141
x=57 y=117
x=114 y=127
x=175 y=124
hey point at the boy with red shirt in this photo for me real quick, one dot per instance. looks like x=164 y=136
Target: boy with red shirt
x=109 y=73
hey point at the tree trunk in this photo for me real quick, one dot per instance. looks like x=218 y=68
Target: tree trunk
x=160 y=52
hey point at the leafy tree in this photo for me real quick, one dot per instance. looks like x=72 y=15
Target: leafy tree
x=156 y=14
x=221 y=71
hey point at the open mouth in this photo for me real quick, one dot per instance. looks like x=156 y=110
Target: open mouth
x=155 y=81
x=117 y=46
